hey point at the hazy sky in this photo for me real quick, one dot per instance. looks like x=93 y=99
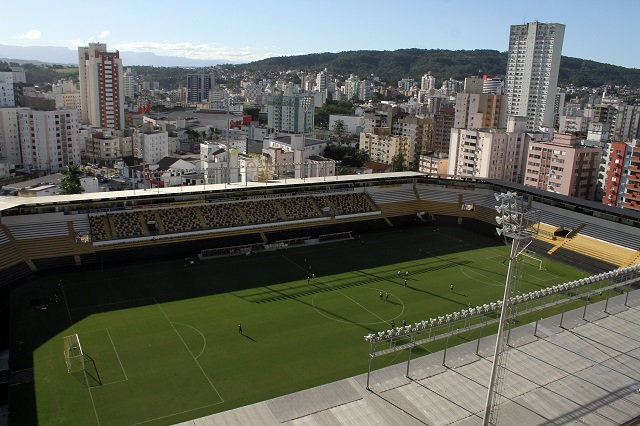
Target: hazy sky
x=244 y=31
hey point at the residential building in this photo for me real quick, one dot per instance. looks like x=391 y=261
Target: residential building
x=489 y=153
x=433 y=164
x=492 y=84
x=443 y=122
x=6 y=168
x=105 y=147
x=427 y=82
x=198 y=86
x=352 y=123
x=49 y=140
x=101 y=86
x=532 y=72
x=378 y=118
x=7 y=95
x=352 y=88
x=418 y=131
x=10 y=136
x=558 y=107
x=616 y=164
x=291 y=111
x=130 y=83
x=151 y=145
x=383 y=147
x=576 y=124
x=480 y=110
x=563 y=165
x=631 y=195
x=293 y=155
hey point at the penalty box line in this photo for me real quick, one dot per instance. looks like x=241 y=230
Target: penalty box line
x=115 y=351
x=190 y=353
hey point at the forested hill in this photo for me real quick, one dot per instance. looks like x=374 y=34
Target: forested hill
x=392 y=66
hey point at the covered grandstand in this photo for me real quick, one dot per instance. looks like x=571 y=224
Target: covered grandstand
x=40 y=233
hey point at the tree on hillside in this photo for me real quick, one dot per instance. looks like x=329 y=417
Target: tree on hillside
x=70 y=183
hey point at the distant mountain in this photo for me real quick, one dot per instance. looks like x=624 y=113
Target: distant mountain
x=66 y=56
x=392 y=66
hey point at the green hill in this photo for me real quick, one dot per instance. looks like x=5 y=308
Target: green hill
x=392 y=66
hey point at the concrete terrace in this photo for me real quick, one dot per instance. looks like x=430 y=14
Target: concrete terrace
x=587 y=372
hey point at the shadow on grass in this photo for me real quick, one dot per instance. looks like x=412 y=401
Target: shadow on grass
x=250 y=338
x=89 y=377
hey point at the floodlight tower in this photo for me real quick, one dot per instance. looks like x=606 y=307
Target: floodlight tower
x=518 y=223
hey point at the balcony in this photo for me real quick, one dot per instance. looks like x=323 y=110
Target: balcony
x=634 y=196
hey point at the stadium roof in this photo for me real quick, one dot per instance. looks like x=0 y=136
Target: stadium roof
x=11 y=202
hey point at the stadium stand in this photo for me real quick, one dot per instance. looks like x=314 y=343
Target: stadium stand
x=9 y=254
x=126 y=224
x=222 y=215
x=344 y=204
x=262 y=211
x=98 y=228
x=46 y=231
x=596 y=249
x=180 y=219
x=299 y=208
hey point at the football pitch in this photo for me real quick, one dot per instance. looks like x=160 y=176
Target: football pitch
x=162 y=343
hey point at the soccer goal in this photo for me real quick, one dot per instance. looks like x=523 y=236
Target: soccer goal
x=73 y=354
x=529 y=258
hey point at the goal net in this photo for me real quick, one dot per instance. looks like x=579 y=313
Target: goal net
x=529 y=258
x=73 y=354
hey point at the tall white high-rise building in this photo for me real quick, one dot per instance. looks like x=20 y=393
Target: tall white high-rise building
x=101 y=86
x=533 y=63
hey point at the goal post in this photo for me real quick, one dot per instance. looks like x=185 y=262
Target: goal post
x=530 y=258
x=73 y=354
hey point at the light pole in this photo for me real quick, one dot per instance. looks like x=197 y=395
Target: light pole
x=518 y=223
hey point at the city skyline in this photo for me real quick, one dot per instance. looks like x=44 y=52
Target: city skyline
x=230 y=34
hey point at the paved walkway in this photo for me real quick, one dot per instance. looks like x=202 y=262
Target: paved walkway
x=587 y=372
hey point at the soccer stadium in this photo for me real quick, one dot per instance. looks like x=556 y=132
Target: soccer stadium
x=364 y=299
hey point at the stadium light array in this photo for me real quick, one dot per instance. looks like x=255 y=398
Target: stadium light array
x=493 y=306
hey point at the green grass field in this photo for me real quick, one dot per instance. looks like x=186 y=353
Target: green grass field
x=162 y=342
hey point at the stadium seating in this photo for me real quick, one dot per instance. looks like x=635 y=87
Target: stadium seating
x=126 y=224
x=180 y=219
x=343 y=204
x=597 y=249
x=262 y=211
x=98 y=229
x=299 y=208
x=222 y=215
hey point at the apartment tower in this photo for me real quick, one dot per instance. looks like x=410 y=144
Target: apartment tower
x=532 y=72
x=101 y=86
